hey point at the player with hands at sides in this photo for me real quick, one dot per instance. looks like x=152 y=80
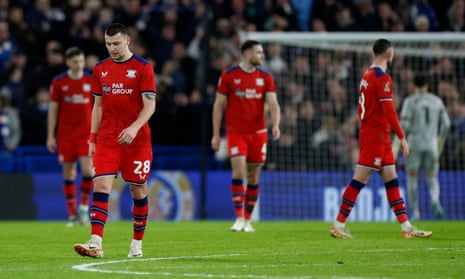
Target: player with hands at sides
x=68 y=126
x=241 y=95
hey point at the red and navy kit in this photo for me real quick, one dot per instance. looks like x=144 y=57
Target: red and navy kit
x=121 y=86
x=245 y=111
x=74 y=98
x=378 y=116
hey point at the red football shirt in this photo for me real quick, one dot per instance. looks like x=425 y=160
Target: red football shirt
x=375 y=88
x=245 y=94
x=121 y=85
x=74 y=98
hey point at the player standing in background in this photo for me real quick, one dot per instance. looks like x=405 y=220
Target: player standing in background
x=68 y=125
x=378 y=116
x=426 y=123
x=124 y=90
x=242 y=93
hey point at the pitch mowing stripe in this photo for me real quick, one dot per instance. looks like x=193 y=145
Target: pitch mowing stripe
x=90 y=267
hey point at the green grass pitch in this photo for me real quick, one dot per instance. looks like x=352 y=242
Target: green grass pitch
x=207 y=249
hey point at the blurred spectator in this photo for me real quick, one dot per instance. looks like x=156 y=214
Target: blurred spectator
x=328 y=144
x=303 y=11
x=10 y=126
x=366 y=14
x=345 y=22
x=308 y=122
x=456 y=16
x=421 y=24
x=7 y=46
x=424 y=7
x=53 y=64
x=34 y=119
x=45 y=21
x=283 y=17
x=386 y=17
x=23 y=35
x=275 y=61
x=185 y=65
x=454 y=148
x=18 y=80
x=318 y=25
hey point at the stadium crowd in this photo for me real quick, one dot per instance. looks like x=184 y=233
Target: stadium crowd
x=317 y=109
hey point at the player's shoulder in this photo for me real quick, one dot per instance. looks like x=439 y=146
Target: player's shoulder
x=103 y=62
x=140 y=59
x=60 y=77
x=232 y=69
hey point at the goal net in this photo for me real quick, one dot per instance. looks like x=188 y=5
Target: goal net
x=317 y=77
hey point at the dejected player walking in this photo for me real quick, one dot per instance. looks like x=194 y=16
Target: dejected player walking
x=124 y=90
x=377 y=116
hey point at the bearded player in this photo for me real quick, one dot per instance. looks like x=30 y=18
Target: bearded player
x=242 y=92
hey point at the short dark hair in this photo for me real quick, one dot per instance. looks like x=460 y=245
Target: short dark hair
x=116 y=28
x=381 y=46
x=249 y=44
x=72 y=52
x=420 y=80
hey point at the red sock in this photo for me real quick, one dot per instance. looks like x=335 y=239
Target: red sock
x=237 y=191
x=395 y=200
x=140 y=213
x=348 y=200
x=251 y=196
x=99 y=213
x=69 y=189
x=86 y=189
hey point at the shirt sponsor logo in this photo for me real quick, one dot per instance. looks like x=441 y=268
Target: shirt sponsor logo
x=118 y=88
x=237 y=81
x=104 y=74
x=131 y=73
x=248 y=94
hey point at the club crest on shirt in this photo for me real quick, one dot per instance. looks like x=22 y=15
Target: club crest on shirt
x=106 y=89
x=259 y=82
x=86 y=87
x=131 y=73
x=387 y=87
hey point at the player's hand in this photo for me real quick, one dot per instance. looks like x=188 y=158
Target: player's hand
x=127 y=135
x=276 y=133
x=215 y=143
x=404 y=147
x=51 y=145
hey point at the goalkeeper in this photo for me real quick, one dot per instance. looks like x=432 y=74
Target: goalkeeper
x=426 y=123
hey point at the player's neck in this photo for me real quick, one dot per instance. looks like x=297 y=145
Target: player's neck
x=75 y=75
x=125 y=57
x=247 y=67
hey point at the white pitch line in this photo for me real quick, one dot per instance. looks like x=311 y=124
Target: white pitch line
x=90 y=267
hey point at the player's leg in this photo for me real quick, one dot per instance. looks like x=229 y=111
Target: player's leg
x=363 y=170
x=238 y=166
x=256 y=158
x=413 y=164
x=140 y=213
x=135 y=169
x=391 y=182
x=86 y=188
x=412 y=194
x=106 y=162
x=69 y=191
x=431 y=170
x=349 y=197
x=237 y=152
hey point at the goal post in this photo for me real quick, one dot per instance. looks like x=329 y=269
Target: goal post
x=317 y=78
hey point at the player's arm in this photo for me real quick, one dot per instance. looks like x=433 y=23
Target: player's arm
x=391 y=115
x=96 y=118
x=52 y=119
x=217 y=117
x=127 y=135
x=275 y=114
x=444 y=129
